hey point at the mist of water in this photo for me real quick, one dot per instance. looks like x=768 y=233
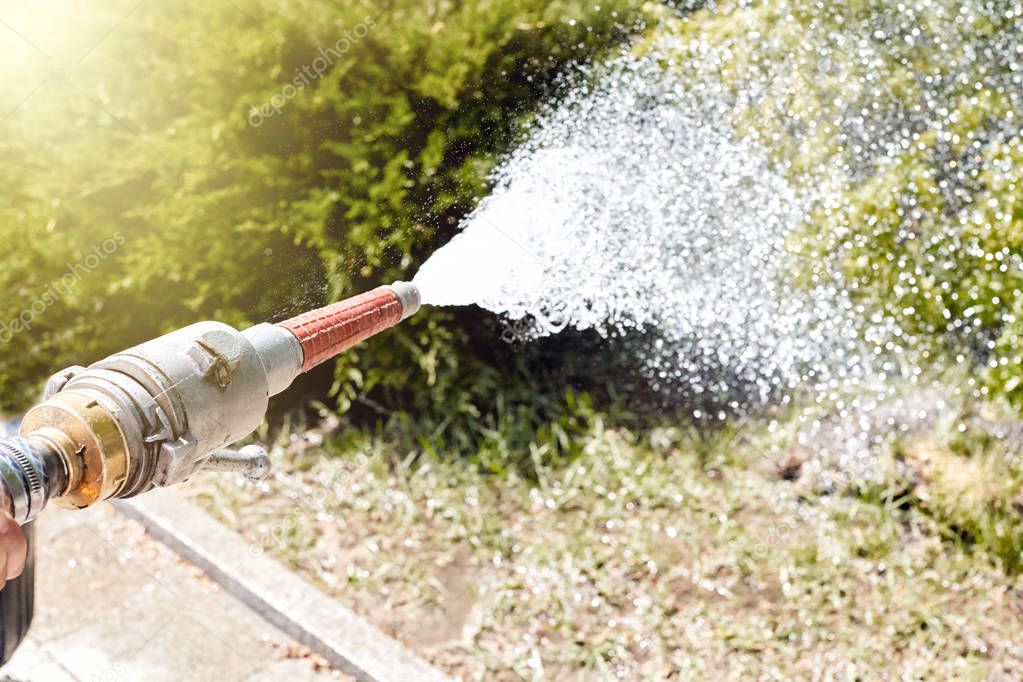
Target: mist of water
x=634 y=209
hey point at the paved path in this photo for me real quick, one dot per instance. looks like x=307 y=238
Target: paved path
x=113 y=605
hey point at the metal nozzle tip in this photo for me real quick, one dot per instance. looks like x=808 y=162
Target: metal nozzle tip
x=408 y=294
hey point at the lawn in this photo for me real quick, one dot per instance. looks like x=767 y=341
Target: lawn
x=737 y=552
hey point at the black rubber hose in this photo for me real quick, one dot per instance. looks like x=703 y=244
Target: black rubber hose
x=17 y=602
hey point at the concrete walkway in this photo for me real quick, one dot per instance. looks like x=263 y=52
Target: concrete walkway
x=114 y=605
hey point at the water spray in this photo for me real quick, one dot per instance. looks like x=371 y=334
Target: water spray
x=154 y=415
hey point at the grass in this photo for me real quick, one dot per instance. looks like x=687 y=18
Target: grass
x=670 y=554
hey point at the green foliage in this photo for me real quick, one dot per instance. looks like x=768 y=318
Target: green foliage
x=247 y=187
x=905 y=122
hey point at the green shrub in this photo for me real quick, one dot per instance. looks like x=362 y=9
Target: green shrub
x=906 y=120
x=351 y=181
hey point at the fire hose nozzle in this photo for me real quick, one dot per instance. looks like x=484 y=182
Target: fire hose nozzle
x=155 y=414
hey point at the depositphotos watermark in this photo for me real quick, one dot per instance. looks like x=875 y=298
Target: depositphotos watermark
x=311 y=72
x=61 y=287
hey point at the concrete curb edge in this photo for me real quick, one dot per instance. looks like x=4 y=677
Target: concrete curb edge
x=346 y=640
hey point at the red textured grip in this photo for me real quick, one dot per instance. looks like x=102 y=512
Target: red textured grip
x=333 y=329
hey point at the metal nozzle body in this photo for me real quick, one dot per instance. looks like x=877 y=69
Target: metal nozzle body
x=408 y=294
x=155 y=414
